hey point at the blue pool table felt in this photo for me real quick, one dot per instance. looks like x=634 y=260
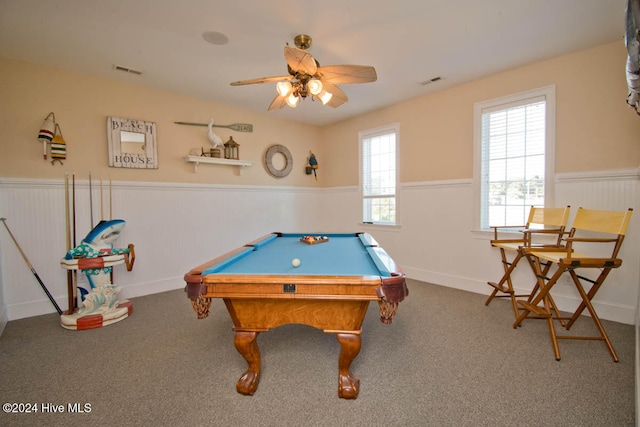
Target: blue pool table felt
x=342 y=255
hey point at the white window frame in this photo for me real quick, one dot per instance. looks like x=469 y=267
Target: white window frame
x=369 y=133
x=548 y=92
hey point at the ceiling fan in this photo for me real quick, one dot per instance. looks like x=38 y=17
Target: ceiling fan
x=307 y=78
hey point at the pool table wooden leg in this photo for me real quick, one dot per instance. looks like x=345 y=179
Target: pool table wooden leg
x=348 y=383
x=245 y=342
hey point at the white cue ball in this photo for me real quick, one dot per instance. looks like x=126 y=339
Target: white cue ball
x=295 y=262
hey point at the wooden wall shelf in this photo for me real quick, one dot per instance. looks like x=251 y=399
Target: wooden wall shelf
x=196 y=160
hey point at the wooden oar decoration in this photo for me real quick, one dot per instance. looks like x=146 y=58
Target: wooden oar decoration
x=238 y=127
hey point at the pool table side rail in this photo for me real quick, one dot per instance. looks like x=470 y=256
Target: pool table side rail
x=364 y=288
x=194 y=277
x=391 y=286
x=367 y=239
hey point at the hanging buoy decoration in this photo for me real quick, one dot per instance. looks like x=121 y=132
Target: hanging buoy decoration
x=58 y=147
x=312 y=165
x=46 y=133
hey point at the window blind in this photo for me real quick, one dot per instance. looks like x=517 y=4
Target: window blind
x=379 y=177
x=513 y=161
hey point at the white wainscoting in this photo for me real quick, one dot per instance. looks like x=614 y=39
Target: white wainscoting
x=609 y=190
x=176 y=226
x=434 y=241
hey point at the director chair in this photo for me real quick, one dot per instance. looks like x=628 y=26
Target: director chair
x=601 y=236
x=547 y=222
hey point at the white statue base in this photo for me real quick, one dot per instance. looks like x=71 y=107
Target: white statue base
x=79 y=321
x=100 y=306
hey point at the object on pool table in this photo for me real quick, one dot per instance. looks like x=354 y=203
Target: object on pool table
x=312 y=240
x=295 y=262
x=332 y=294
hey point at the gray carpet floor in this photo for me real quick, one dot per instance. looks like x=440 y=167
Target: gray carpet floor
x=447 y=360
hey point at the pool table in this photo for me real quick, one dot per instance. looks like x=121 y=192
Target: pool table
x=330 y=290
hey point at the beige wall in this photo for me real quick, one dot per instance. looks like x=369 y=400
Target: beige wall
x=595 y=130
x=81 y=104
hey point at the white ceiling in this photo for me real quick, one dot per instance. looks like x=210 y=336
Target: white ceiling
x=407 y=41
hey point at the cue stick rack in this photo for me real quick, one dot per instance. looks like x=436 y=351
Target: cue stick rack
x=72 y=318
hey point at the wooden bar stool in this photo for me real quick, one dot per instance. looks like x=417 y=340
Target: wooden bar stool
x=549 y=223
x=593 y=233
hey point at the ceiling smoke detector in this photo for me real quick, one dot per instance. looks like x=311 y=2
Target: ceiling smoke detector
x=215 y=37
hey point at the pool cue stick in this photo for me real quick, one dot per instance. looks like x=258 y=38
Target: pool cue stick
x=101 y=206
x=110 y=201
x=73 y=204
x=44 y=288
x=75 y=272
x=90 y=201
x=66 y=210
x=70 y=293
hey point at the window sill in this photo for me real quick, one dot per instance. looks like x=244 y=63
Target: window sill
x=488 y=235
x=379 y=226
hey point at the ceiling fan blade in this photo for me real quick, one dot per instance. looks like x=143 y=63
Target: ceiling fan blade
x=261 y=80
x=338 y=97
x=348 y=74
x=300 y=61
x=277 y=103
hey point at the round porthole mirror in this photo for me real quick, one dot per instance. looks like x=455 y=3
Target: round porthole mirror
x=278 y=161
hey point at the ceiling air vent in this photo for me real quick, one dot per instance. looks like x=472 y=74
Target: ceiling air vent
x=127 y=69
x=432 y=80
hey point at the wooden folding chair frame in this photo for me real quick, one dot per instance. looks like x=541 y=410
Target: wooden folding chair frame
x=554 y=221
x=612 y=223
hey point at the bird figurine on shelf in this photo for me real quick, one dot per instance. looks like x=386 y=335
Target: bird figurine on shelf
x=214 y=139
x=313 y=164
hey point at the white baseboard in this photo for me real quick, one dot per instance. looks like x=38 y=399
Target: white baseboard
x=34 y=308
x=44 y=306
x=3 y=319
x=148 y=288
x=615 y=313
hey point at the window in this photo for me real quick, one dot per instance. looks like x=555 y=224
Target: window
x=379 y=174
x=514 y=162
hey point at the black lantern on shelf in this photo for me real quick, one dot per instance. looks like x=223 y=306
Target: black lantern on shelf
x=231 y=149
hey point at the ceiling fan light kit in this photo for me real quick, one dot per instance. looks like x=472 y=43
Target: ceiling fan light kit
x=292 y=100
x=315 y=87
x=292 y=92
x=307 y=78
x=284 y=88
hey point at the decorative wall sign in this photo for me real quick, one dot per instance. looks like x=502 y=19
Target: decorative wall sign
x=268 y=161
x=132 y=143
